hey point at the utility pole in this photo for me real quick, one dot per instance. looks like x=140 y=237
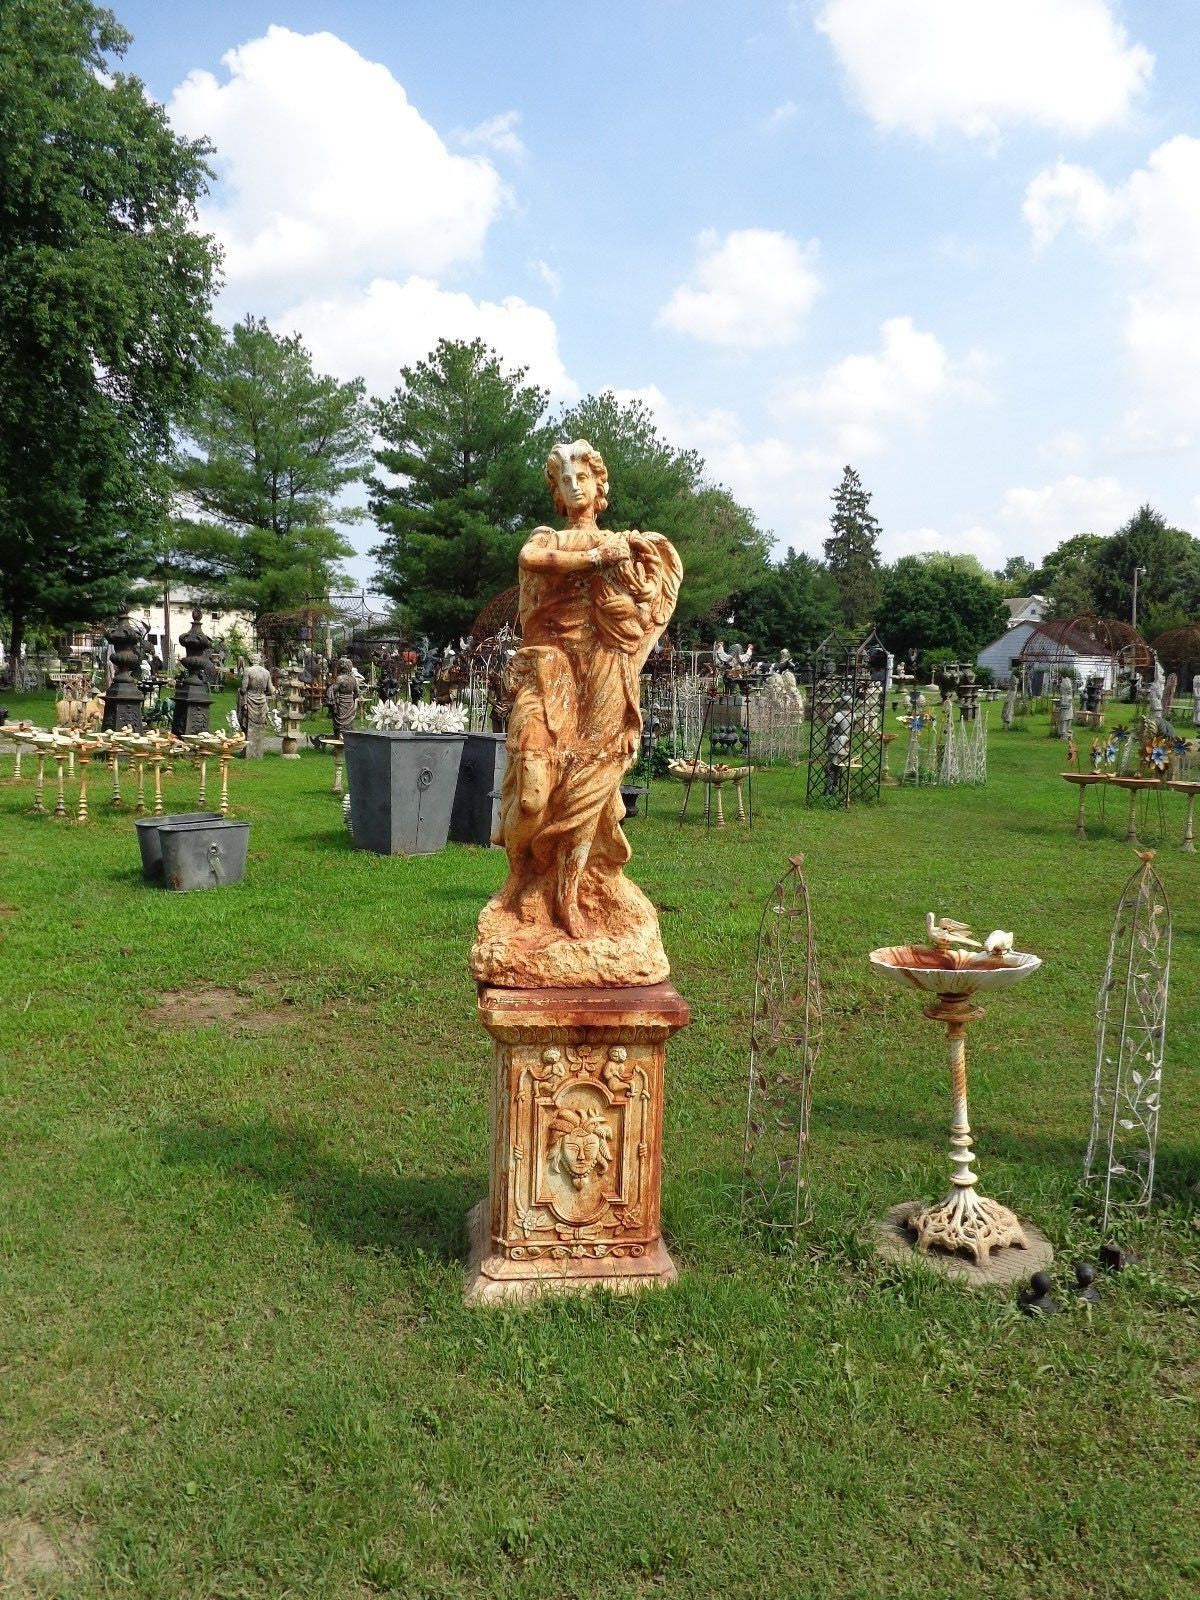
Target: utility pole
x=1136 y=572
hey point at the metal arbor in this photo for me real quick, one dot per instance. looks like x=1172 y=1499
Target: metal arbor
x=1131 y=1026
x=785 y=1040
x=845 y=740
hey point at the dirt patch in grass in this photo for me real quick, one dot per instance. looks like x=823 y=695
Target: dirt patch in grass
x=31 y=1555
x=36 y=1553
x=7 y=911
x=208 y=1006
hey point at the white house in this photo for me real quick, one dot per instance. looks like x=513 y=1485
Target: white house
x=155 y=618
x=1042 y=649
x=1028 y=608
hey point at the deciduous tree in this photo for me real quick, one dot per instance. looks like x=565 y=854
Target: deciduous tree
x=105 y=287
x=931 y=605
x=793 y=606
x=655 y=486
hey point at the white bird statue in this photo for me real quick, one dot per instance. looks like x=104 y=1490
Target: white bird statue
x=944 y=933
x=998 y=943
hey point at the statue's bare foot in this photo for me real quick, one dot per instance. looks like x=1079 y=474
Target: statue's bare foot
x=573 y=921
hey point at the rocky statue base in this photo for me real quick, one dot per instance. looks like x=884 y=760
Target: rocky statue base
x=531 y=950
x=576 y=1154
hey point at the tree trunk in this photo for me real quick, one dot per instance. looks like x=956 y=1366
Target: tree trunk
x=18 y=637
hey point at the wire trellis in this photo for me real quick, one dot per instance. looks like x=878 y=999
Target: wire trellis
x=785 y=1040
x=1131 y=1027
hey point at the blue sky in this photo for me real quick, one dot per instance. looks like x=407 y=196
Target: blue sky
x=953 y=242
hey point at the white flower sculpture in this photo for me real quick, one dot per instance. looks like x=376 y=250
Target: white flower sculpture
x=394 y=715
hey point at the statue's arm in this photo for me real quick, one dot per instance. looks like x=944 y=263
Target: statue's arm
x=541 y=555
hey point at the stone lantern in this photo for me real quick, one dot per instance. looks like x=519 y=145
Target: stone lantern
x=123 y=697
x=193 y=698
x=291 y=696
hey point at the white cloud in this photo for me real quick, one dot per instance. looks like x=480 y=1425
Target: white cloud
x=786 y=111
x=373 y=332
x=982 y=543
x=327 y=172
x=1149 y=230
x=551 y=278
x=858 y=396
x=498 y=133
x=977 y=66
x=1065 y=445
x=752 y=288
x=787 y=487
x=1042 y=518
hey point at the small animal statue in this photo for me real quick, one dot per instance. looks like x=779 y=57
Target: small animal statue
x=944 y=932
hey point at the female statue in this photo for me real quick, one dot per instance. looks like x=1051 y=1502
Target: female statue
x=252 y=704
x=593 y=605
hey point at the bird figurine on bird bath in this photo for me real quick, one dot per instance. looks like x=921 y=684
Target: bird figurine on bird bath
x=952 y=967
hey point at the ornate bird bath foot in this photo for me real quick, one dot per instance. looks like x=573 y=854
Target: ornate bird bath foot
x=964 y=1222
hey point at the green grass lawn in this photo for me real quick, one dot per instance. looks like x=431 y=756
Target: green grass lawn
x=241 y=1131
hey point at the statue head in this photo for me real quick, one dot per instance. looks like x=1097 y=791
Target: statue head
x=574 y=470
x=345 y=667
x=581 y=1145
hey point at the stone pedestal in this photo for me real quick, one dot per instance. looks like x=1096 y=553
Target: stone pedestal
x=576 y=1141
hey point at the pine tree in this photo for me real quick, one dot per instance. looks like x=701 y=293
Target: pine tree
x=464 y=449
x=852 y=551
x=275 y=445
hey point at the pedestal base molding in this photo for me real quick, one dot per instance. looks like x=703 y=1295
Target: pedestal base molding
x=576 y=1158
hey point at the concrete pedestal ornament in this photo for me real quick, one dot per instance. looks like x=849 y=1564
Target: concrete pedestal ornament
x=193 y=698
x=576 y=1160
x=123 y=697
x=570 y=964
x=291 y=694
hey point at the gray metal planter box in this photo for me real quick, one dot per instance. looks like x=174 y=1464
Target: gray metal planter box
x=150 y=844
x=204 y=855
x=402 y=790
x=476 y=813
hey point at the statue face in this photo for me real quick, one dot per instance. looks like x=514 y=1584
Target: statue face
x=577 y=486
x=580 y=1151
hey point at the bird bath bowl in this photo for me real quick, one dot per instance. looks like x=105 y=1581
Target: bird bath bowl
x=964 y=1222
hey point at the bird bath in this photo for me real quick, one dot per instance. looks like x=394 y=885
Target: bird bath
x=964 y=1221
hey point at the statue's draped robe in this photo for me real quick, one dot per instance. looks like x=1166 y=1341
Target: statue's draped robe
x=585 y=638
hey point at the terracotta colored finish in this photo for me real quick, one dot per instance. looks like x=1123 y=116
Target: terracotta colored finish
x=576 y=1157
x=593 y=604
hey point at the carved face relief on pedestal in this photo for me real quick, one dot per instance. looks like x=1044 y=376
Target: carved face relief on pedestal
x=582 y=1145
x=579 y=1155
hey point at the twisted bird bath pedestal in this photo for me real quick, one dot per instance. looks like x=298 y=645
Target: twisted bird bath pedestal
x=964 y=1222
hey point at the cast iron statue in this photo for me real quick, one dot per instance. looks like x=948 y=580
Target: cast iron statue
x=343 y=699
